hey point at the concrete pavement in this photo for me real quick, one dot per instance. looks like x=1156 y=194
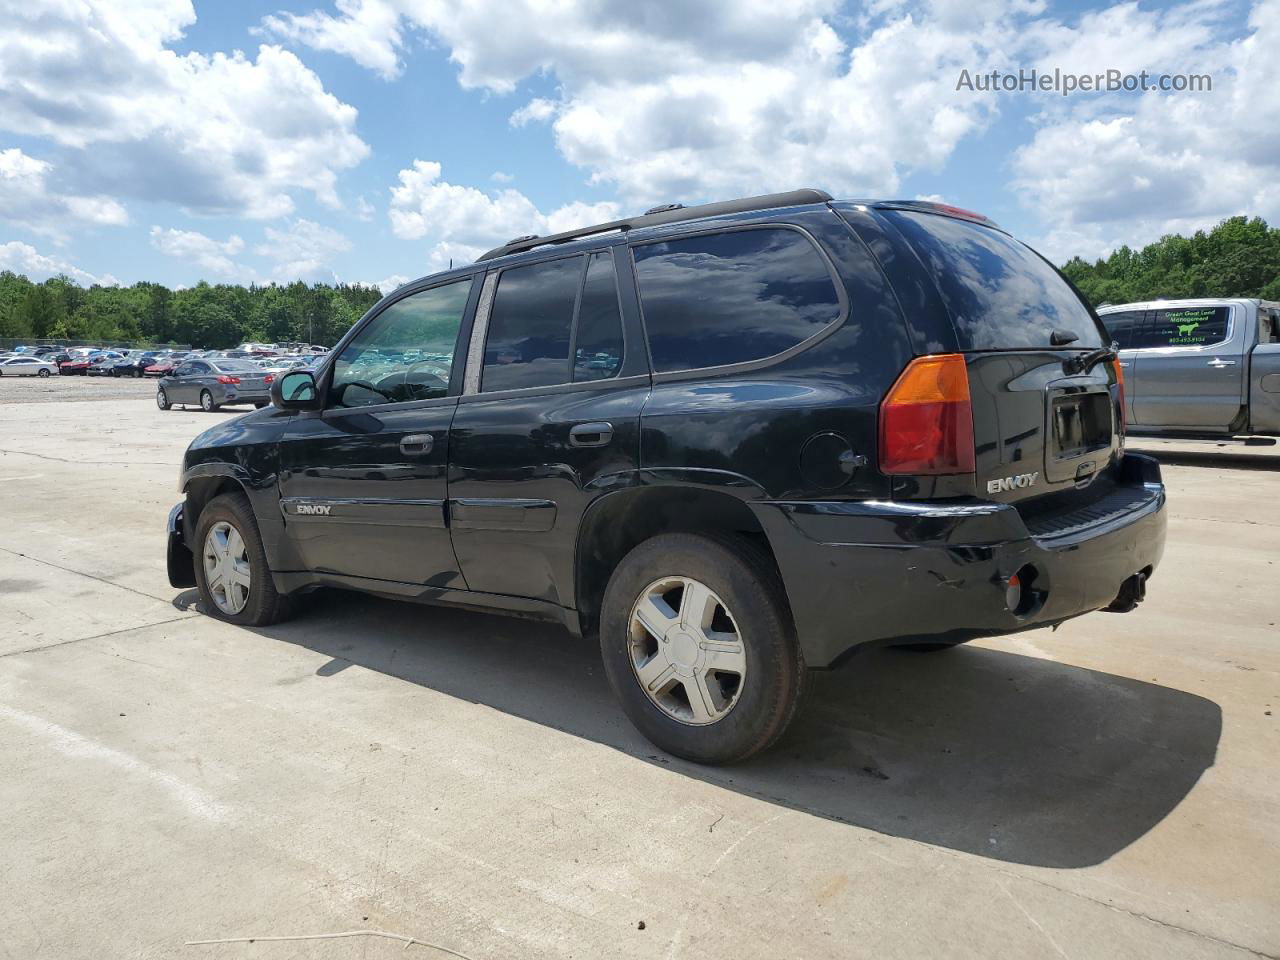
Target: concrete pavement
x=1105 y=790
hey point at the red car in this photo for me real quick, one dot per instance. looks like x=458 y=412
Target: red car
x=162 y=368
x=74 y=365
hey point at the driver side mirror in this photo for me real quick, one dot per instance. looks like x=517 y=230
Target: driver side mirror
x=296 y=390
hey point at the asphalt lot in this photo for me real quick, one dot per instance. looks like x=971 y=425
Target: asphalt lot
x=38 y=390
x=1105 y=790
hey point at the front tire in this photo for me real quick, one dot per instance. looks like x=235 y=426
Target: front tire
x=162 y=399
x=206 y=402
x=699 y=646
x=231 y=565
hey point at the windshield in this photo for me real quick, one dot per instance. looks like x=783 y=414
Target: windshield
x=238 y=366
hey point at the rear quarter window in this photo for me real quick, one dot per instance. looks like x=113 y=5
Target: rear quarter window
x=1000 y=293
x=732 y=297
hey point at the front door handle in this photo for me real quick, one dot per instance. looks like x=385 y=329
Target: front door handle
x=417 y=444
x=1219 y=362
x=591 y=434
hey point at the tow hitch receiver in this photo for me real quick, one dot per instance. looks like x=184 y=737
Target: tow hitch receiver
x=1132 y=592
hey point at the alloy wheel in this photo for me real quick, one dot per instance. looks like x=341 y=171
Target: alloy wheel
x=226 y=567
x=686 y=650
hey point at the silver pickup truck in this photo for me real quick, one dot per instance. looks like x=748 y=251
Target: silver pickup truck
x=1199 y=368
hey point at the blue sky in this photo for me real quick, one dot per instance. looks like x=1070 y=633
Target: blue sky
x=373 y=140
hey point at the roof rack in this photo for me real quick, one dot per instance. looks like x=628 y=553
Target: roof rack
x=668 y=213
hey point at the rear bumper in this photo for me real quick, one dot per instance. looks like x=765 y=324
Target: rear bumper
x=879 y=572
x=237 y=395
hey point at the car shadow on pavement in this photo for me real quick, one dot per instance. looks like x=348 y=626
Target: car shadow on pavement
x=1216 y=458
x=1005 y=756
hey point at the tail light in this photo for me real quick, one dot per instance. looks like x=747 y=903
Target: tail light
x=268 y=378
x=926 y=420
x=225 y=379
x=1119 y=372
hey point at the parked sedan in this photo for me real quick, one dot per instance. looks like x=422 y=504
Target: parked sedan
x=162 y=367
x=215 y=383
x=134 y=364
x=77 y=364
x=102 y=364
x=22 y=366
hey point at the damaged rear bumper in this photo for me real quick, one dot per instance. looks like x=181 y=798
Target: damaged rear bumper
x=860 y=572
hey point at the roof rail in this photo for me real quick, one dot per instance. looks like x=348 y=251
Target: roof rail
x=668 y=213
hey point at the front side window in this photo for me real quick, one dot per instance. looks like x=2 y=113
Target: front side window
x=529 y=326
x=1124 y=327
x=732 y=297
x=405 y=353
x=1188 y=327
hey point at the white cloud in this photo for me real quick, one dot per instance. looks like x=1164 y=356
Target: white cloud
x=499 y=177
x=303 y=251
x=28 y=199
x=367 y=31
x=1106 y=172
x=221 y=134
x=535 y=111
x=387 y=284
x=726 y=97
x=462 y=222
x=715 y=99
x=204 y=251
x=25 y=259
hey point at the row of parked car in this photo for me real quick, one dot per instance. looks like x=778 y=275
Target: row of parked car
x=95 y=362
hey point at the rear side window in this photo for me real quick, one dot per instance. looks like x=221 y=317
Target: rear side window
x=1194 y=327
x=1001 y=295
x=528 y=338
x=597 y=348
x=732 y=297
x=1268 y=326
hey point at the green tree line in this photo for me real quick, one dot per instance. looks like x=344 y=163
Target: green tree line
x=206 y=315
x=1237 y=258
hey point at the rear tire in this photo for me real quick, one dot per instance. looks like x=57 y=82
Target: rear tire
x=162 y=399
x=42 y=372
x=686 y=705
x=222 y=560
x=206 y=402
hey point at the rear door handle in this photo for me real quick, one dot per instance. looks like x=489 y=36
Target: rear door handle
x=1219 y=362
x=591 y=434
x=416 y=444
x=1124 y=363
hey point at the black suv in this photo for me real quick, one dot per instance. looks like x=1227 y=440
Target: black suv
x=736 y=441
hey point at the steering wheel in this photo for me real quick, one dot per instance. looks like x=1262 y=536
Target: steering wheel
x=365 y=384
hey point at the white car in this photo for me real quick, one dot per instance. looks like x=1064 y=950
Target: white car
x=27 y=367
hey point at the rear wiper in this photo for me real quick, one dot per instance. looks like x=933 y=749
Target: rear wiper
x=1074 y=366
